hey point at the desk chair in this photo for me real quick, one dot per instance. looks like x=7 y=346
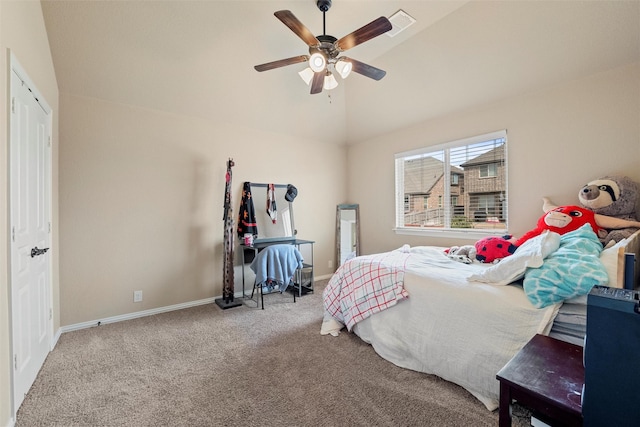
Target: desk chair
x=275 y=267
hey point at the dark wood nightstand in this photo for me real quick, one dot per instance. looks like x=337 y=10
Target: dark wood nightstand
x=546 y=376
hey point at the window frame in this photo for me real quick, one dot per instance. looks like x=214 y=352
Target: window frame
x=466 y=233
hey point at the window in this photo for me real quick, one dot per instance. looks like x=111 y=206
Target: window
x=465 y=179
x=488 y=170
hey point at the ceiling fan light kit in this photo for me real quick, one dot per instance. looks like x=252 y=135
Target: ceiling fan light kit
x=317 y=62
x=343 y=67
x=306 y=75
x=330 y=81
x=324 y=50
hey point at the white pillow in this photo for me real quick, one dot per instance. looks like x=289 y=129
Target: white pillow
x=530 y=255
x=610 y=258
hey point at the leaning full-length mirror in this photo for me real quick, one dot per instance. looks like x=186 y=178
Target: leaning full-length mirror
x=347 y=232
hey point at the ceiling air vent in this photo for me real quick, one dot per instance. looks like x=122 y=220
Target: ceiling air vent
x=400 y=21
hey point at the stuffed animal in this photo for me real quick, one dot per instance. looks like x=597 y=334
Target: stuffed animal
x=614 y=196
x=489 y=250
x=563 y=219
x=493 y=248
x=465 y=254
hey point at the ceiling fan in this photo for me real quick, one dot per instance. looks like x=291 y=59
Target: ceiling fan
x=324 y=51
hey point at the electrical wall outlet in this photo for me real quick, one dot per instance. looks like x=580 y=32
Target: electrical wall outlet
x=137 y=296
x=330 y=263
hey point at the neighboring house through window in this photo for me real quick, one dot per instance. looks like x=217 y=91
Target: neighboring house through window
x=459 y=186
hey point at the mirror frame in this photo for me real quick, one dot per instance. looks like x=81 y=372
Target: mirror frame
x=339 y=209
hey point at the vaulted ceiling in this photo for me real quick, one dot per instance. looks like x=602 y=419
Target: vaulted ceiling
x=196 y=58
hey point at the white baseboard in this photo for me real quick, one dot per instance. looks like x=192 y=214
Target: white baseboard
x=143 y=313
x=137 y=314
x=56 y=337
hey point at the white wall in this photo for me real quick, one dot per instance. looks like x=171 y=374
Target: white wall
x=487 y=51
x=141 y=203
x=23 y=32
x=558 y=139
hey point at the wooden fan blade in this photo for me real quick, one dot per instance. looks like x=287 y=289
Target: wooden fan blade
x=317 y=82
x=366 y=69
x=281 y=63
x=297 y=27
x=361 y=35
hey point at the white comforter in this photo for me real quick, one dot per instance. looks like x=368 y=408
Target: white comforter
x=462 y=331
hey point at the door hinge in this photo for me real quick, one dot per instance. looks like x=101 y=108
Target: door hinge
x=13 y=233
x=49 y=140
x=50 y=313
x=13 y=105
x=15 y=362
x=49 y=227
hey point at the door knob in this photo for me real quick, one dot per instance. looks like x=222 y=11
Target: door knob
x=35 y=251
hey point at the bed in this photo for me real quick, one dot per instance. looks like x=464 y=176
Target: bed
x=424 y=311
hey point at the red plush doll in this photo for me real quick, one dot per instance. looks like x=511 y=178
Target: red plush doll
x=561 y=220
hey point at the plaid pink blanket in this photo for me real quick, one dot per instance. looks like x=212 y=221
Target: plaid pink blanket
x=366 y=285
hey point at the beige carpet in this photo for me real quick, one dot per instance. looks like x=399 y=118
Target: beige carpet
x=243 y=366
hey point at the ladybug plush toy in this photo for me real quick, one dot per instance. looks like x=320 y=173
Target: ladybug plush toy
x=492 y=249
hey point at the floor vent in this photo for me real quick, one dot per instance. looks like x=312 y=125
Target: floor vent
x=400 y=21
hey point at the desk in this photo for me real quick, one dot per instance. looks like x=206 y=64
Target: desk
x=546 y=376
x=300 y=280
